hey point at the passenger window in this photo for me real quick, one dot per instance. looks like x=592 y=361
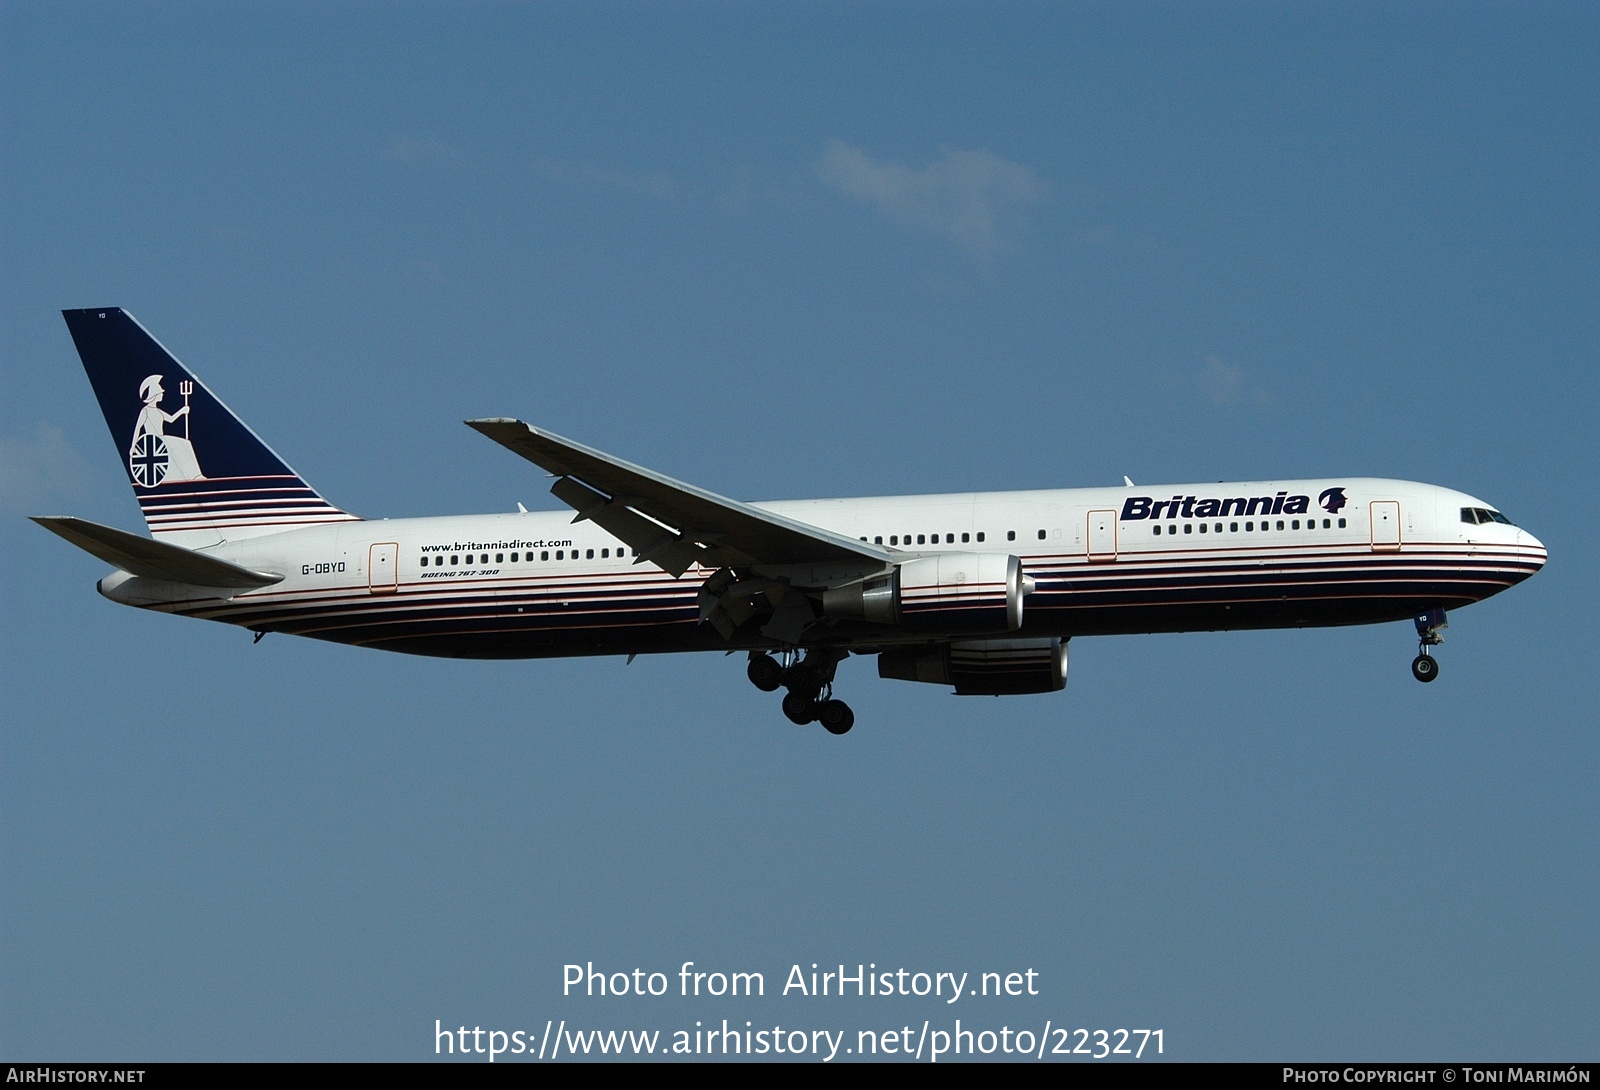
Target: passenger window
x=980 y=535
x=949 y=539
x=1295 y=525
x=589 y=555
x=604 y=553
x=1202 y=527
x=1156 y=529
x=1011 y=535
x=1218 y=527
x=1233 y=527
x=878 y=540
x=965 y=538
x=560 y=555
x=921 y=539
x=1188 y=527
x=469 y=558
x=1326 y=525
x=1250 y=527
x=544 y=556
x=499 y=558
x=1280 y=524
x=1341 y=524
x=454 y=560
x=1041 y=535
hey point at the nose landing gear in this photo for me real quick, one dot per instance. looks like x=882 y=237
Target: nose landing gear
x=1424 y=667
x=810 y=684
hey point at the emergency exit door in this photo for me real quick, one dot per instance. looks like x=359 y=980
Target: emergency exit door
x=1102 y=536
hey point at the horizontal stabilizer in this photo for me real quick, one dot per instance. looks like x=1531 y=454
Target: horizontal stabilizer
x=153 y=559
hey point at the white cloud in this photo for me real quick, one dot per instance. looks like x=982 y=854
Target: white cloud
x=1224 y=383
x=36 y=468
x=964 y=195
x=417 y=150
x=656 y=183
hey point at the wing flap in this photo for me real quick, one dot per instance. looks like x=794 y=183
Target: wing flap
x=152 y=559
x=640 y=506
x=650 y=540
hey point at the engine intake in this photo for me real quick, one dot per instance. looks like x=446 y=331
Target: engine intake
x=982 y=667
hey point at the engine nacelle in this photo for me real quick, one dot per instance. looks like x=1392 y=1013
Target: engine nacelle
x=982 y=667
x=950 y=592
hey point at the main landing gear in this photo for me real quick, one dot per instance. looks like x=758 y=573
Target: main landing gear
x=1424 y=667
x=810 y=684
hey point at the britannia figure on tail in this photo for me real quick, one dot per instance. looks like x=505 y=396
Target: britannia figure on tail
x=155 y=457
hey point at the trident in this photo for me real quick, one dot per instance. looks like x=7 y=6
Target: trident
x=186 y=388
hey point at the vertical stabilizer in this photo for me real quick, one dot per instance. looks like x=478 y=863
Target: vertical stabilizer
x=200 y=474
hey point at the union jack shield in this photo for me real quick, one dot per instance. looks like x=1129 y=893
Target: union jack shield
x=148 y=461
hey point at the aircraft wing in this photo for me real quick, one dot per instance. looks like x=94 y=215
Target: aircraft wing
x=153 y=559
x=667 y=522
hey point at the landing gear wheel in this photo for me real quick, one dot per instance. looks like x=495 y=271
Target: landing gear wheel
x=765 y=674
x=802 y=681
x=1424 y=668
x=836 y=716
x=800 y=709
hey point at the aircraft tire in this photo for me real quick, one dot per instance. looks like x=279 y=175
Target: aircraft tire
x=1424 y=668
x=836 y=716
x=765 y=674
x=802 y=680
x=800 y=709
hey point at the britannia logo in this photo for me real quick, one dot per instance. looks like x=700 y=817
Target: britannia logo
x=154 y=457
x=1332 y=500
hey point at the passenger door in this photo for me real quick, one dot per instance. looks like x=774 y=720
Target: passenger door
x=383 y=562
x=1385 y=526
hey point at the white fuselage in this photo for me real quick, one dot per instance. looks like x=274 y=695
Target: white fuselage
x=1103 y=560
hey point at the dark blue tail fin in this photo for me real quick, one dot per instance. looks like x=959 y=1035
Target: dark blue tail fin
x=200 y=474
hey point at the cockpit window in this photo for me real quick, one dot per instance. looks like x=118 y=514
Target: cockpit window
x=1478 y=515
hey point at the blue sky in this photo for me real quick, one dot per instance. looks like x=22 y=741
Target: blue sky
x=789 y=252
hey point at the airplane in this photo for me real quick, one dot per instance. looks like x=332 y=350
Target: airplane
x=977 y=591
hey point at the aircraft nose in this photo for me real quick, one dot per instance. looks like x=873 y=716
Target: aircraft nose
x=1533 y=546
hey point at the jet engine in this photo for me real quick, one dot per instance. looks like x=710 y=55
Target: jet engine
x=982 y=667
x=950 y=592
